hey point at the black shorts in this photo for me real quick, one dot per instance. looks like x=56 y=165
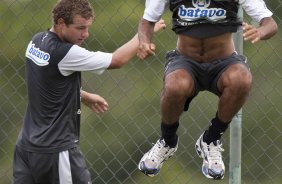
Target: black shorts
x=66 y=167
x=205 y=75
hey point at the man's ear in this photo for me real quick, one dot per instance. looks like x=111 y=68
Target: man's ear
x=61 y=22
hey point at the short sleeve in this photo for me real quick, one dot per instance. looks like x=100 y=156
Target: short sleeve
x=256 y=9
x=80 y=59
x=154 y=10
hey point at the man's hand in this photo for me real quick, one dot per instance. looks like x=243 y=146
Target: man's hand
x=145 y=50
x=95 y=102
x=98 y=104
x=251 y=33
x=146 y=30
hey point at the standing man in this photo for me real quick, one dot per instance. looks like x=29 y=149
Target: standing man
x=47 y=150
x=204 y=59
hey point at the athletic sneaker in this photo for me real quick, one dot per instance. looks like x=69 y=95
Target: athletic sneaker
x=213 y=166
x=151 y=163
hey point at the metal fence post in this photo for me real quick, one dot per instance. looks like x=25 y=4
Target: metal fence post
x=236 y=125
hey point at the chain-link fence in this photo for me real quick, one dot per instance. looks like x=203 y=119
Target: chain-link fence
x=114 y=142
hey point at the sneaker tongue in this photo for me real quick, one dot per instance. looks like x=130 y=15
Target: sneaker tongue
x=163 y=143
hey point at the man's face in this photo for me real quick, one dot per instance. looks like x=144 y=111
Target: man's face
x=76 y=32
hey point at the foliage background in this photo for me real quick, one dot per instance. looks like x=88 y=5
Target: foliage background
x=114 y=142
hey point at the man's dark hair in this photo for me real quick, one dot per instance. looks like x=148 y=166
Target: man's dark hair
x=67 y=9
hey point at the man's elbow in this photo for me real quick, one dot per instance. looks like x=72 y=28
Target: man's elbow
x=117 y=63
x=275 y=28
x=272 y=27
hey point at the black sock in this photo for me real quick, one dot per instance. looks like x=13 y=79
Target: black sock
x=215 y=130
x=169 y=133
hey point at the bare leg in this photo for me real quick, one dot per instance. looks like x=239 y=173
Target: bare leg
x=235 y=84
x=178 y=85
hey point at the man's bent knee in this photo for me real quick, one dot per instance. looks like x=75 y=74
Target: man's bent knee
x=178 y=84
x=237 y=78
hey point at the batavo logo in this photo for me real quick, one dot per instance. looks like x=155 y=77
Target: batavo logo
x=36 y=55
x=201 y=10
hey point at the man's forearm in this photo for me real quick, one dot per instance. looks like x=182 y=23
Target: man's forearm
x=145 y=31
x=268 y=28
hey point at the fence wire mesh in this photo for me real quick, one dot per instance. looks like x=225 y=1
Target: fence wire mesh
x=114 y=142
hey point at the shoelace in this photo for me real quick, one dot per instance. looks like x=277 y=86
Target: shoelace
x=159 y=152
x=214 y=152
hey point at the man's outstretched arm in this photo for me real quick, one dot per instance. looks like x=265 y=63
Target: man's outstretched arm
x=126 y=52
x=266 y=30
